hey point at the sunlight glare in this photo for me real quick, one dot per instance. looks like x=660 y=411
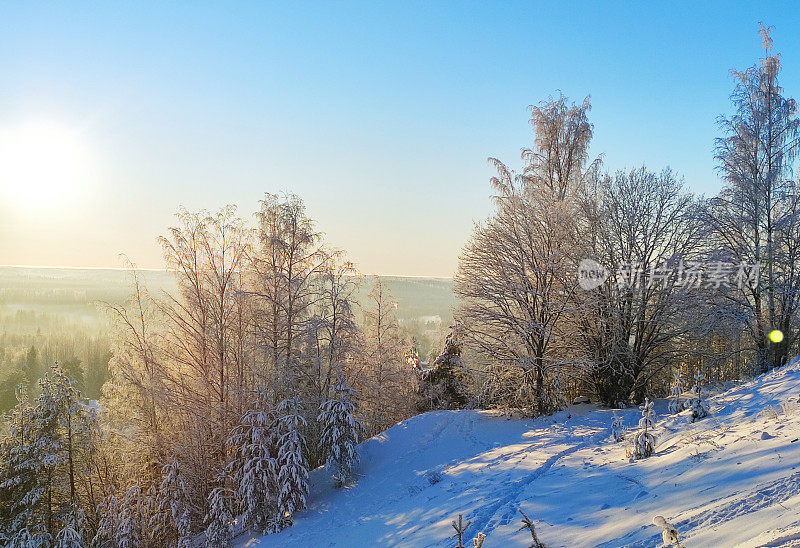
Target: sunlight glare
x=42 y=164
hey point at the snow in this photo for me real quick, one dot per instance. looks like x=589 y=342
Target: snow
x=730 y=479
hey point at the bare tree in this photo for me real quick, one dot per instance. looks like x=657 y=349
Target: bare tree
x=288 y=260
x=516 y=277
x=384 y=379
x=648 y=234
x=754 y=217
x=206 y=373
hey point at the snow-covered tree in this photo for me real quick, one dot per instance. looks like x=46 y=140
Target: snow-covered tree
x=385 y=382
x=73 y=532
x=676 y=404
x=108 y=526
x=441 y=386
x=340 y=433
x=641 y=222
x=173 y=521
x=527 y=523
x=220 y=518
x=754 y=219
x=460 y=528
x=129 y=530
x=696 y=404
x=293 y=470
x=669 y=534
x=27 y=538
x=256 y=468
x=618 y=428
x=644 y=442
x=41 y=457
x=19 y=480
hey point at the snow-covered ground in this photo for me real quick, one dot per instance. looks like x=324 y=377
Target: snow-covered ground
x=731 y=479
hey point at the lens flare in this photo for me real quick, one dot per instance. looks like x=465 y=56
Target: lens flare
x=776 y=335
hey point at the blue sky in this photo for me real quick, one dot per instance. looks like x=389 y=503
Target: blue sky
x=379 y=115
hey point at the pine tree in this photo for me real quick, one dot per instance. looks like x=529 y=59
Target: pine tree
x=220 y=519
x=256 y=468
x=645 y=442
x=293 y=470
x=340 y=433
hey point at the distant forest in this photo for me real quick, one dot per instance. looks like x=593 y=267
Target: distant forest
x=50 y=315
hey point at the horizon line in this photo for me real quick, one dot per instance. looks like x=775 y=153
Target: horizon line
x=125 y=269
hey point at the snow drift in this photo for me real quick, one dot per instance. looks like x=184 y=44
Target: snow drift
x=730 y=479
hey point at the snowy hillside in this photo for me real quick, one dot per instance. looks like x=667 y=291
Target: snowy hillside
x=730 y=479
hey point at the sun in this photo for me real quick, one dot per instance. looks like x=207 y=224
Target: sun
x=42 y=164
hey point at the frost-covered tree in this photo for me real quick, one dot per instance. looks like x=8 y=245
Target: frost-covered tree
x=220 y=518
x=41 y=461
x=20 y=485
x=676 y=404
x=385 y=381
x=340 y=433
x=292 y=467
x=460 y=528
x=109 y=524
x=26 y=538
x=516 y=277
x=618 y=428
x=755 y=219
x=441 y=385
x=173 y=521
x=130 y=531
x=669 y=534
x=644 y=442
x=696 y=404
x=72 y=534
x=645 y=227
x=256 y=468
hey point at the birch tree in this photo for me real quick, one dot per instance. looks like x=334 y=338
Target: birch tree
x=755 y=217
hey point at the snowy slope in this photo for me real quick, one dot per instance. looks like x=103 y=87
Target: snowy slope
x=732 y=479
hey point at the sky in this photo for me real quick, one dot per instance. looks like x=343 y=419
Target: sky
x=379 y=115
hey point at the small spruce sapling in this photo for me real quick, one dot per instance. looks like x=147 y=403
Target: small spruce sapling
x=697 y=405
x=460 y=528
x=669 y=534
x=71 y=535
x=527 y=523
x=645 y=442
x=676 y=404
x=256 y=468
x=129 y=531
x=618 y=429
x=173 y=515
x=340 y=433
